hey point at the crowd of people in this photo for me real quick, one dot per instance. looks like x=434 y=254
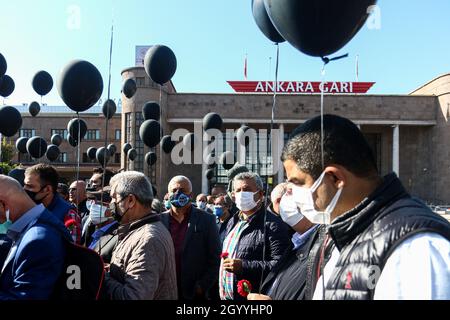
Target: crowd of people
x=335 y=229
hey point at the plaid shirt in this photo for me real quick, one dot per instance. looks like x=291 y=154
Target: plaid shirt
x=72 y=221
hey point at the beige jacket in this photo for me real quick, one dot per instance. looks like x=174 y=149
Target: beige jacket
x=143 y=263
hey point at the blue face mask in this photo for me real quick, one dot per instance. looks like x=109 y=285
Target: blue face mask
x=5 y=226
x=179 y=199
x=218 y=211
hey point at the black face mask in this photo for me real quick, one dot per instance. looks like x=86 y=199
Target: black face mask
x=32 y=195
x=115 y=211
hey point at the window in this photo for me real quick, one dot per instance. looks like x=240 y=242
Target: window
x=62 y=132
x=128 y=126
x=27 y=133
x=62 y=158
x=93 y=134
x=118 y=134
x=139 y=145
x=140 y=82
x=229 y=144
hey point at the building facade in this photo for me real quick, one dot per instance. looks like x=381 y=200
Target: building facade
x=408 y=133
x=53 y=120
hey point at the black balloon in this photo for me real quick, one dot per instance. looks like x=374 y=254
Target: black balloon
x=56 y=140
x=18 y=174
x=211 y=161
x=151 y=111
x=72 y=141
x=10 y=121
x=7 y=86
x=42 y=83
x=112 y=149
x=80 y=85
x=132 y=154
x=210 y=174
x=3 y=66
x=34 y=108
x=21 y=144
x=227 y=160
x=129 y=88
x=77 y=128
x=109 y=109
x=150 y=133
x=167 y=144
x=190 y=141
x=320 y=27
x=160 y=64
x=244 y=135
x=150 y=158
x=102 y=155
x=52 y=153
x=36 y=147
x=92 y=153
x=126 y=147
x=212 y=121
x=263 y=21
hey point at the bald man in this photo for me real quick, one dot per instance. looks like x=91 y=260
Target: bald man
x=276 y=196
x=196 y=240
x=36 y=259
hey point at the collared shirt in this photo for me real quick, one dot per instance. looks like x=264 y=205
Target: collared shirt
x=418 y=269
x=299 y=239
x=178 y=232
x=18 y=228
x=101 y=232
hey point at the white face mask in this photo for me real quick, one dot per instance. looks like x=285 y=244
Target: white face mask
x=201 y=205
x=245 y=201
x=289 y=211
x=304 y=199
x=97 y=214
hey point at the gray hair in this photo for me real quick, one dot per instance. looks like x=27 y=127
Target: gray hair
x=135 y=183
x=249 y=176
x=178 y=179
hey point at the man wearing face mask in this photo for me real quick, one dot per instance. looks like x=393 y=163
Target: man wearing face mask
x=196 y=240
x=201 y=202
x=36 y=258
x=256 y=239
x=222 y=207
x=388 y=245
x=41 y=185
x=143 y=262
x=287 y=280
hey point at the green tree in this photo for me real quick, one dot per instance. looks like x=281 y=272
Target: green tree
x=8 y=151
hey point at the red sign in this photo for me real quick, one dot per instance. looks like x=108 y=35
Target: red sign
x=301 y=86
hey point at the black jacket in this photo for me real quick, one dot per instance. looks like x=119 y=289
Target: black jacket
x=291 y=273
x=251 y=246
x=201 y=253
x=369 y=233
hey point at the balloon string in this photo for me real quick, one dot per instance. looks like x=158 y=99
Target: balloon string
x=107 y=111
x=78 y=159
x=161 y=135
x=272 y=120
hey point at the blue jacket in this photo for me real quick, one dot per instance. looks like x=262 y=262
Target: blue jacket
x=37 y=259
x=59 y=207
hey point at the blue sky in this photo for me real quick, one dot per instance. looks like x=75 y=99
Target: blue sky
x=210 y=39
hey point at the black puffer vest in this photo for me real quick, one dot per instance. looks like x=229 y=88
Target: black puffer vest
x=368 y=234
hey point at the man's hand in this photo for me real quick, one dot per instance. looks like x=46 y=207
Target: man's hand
x=233 y=265
x=255 y=296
